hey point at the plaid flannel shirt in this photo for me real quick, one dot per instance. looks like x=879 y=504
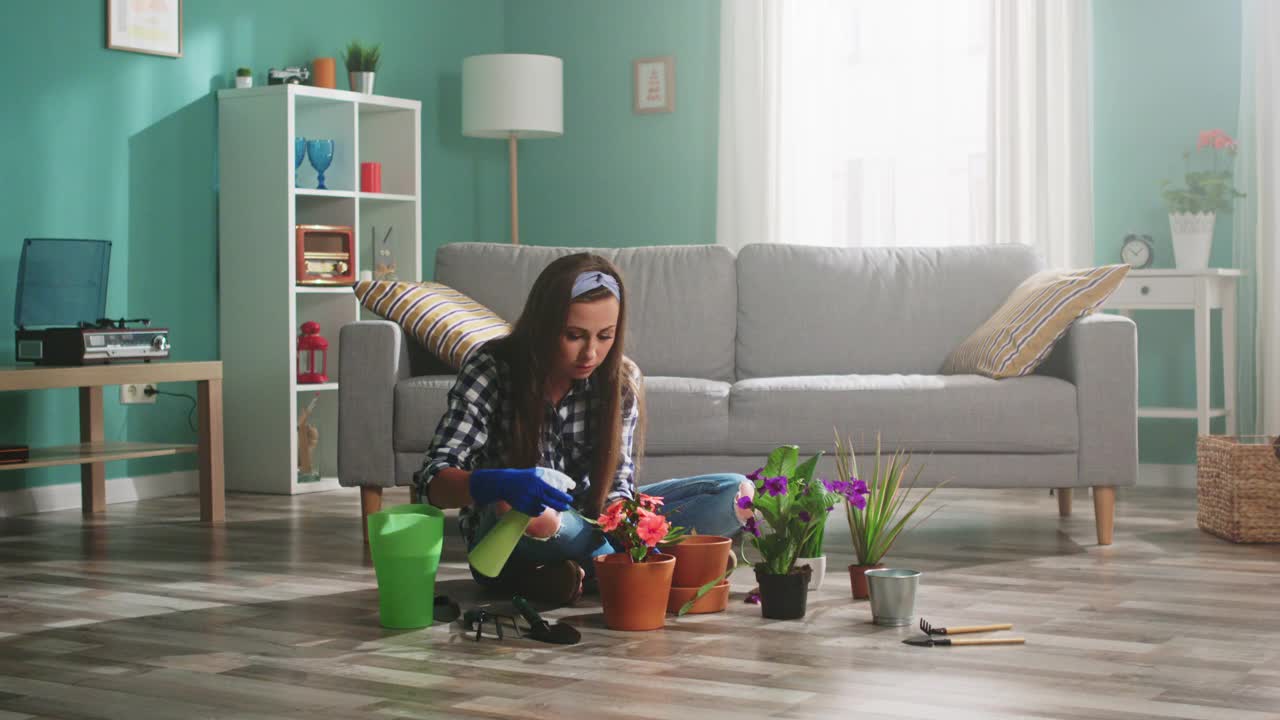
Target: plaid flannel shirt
x=474 y=429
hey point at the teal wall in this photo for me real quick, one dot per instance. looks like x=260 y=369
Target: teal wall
x=1164 y=70
x=616 y=178
x=121 y=146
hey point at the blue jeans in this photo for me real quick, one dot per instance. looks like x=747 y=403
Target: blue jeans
x=703 y=503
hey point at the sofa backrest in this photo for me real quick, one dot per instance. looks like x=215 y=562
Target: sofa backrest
x=822 y=310
x=682 y=300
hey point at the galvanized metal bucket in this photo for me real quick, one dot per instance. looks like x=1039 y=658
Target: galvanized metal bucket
x=893 y=595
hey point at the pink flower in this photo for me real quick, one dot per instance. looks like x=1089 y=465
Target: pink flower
x=1221 y=142
x=652 y=529
x=649 y=502
x=1206 y=138
x=611 y=518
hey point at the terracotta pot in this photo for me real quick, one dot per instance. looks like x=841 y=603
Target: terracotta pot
x=699 y=559
x=858 y=581
x=634 y=595
x=784 y=597
x=716 y=599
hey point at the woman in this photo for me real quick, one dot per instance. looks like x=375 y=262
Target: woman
x=558 y=393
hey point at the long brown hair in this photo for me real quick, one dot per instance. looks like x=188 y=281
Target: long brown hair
x=528 y=352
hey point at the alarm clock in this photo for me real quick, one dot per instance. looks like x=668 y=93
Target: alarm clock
x=1137 y=250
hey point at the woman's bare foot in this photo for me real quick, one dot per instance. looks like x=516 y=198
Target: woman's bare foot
x=748 y=490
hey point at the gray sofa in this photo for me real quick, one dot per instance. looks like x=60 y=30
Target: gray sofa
x=781 y=344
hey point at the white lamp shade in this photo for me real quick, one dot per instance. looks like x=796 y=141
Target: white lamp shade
x=512 y=94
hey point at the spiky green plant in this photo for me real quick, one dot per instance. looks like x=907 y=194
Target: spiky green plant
x=362 y=58
x=875 y=528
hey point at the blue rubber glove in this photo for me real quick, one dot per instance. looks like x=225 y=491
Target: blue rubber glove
x=523 y=488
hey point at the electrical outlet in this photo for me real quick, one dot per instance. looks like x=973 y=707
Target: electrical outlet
x=136 y=393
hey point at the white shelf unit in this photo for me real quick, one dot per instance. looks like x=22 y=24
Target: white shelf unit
x=260 y=306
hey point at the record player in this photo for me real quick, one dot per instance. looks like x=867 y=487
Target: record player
x=61 y=303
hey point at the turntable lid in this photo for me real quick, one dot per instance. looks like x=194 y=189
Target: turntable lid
x=62 y=282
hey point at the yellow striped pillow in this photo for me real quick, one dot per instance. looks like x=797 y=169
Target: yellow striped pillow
x=446 y=322
x=1018 y=337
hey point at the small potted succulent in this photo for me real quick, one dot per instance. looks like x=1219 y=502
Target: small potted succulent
x=882 y=514
x=362 y=64
x=244 y=77
x=791 y=505
x=635 y=584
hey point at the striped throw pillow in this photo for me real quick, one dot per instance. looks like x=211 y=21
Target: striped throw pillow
x=446 y=322
x=1018 y=337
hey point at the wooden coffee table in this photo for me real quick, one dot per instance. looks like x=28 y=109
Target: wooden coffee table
x=92 y=452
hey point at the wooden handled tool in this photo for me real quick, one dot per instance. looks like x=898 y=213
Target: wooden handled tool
x=970 y=629
x=930 y=641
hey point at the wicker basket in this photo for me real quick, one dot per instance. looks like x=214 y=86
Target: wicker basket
x=1238 y=486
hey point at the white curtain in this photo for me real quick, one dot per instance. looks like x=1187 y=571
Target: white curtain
x=869 y=122
x=1040 y=139
x=1257 y=216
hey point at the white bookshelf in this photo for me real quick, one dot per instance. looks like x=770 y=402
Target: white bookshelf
x=260 y=306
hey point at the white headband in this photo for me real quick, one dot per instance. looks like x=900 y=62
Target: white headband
x=593 y=279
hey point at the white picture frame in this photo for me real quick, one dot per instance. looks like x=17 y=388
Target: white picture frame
x=153 y=27
x=653 y=84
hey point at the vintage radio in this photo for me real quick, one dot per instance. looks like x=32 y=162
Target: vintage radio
x=326 y=255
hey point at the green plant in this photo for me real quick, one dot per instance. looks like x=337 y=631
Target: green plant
x=243 y=72
x=1206 y=190
x=362 y=58
x=793 y=505
x=875 y=528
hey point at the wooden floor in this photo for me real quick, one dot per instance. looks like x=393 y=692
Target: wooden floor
x=146 y=614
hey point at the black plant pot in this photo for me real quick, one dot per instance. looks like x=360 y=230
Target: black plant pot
x=784 y=597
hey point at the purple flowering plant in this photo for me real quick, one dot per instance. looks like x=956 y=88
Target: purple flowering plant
x=791 y=505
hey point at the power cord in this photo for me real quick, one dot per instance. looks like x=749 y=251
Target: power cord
x=190 y=421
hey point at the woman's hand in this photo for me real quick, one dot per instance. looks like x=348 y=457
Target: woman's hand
x=523 y=488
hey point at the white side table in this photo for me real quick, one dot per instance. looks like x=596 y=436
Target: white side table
x=1201 y=291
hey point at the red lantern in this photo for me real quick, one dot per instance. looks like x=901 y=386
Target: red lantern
x=311 y=344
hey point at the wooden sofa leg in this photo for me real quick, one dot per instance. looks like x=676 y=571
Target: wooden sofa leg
x=413 y=495
x=1064 y=501
x=370 y=502
x=1104 y=512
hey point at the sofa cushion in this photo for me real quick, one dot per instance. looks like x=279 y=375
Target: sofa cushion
x=443 y=320
x=682 y=301
x=683 y=415
x=1020 y=334
x=420 y=403
x=826 y=311
x=686 y=415
x=917 y=413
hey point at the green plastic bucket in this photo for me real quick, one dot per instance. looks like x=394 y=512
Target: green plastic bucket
x=405 y=542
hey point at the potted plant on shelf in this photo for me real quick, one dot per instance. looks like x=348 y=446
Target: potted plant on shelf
x=362 y=64
x=635 y=584
x=879 y=520
x=1194 y=208
x=791 y=506
x=244 y=77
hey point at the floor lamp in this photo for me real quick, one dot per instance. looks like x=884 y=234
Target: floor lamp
x=513 y=97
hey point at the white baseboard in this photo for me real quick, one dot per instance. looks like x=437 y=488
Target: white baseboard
x=1154 y=475
x=66 y=496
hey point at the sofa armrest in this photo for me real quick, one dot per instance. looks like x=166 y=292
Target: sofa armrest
x=373 y=357
x=1099 y=355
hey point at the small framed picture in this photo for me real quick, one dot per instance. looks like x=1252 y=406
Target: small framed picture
x=145 y=26
x=655 y=84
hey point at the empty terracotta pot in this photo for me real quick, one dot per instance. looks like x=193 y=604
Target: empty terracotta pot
x=699 y=559
x=858 y=580
x=716 y=599
x=634 y=595
x=323 y=73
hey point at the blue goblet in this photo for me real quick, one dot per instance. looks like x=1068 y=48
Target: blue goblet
x=299 y=152
x=320 y=152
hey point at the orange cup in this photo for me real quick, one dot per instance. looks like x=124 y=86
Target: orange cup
x=323 y=73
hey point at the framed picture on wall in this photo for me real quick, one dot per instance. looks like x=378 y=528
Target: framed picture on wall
x=654 y=84
x=145 y=26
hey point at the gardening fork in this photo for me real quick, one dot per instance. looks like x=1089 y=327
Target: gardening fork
x=931 y=630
